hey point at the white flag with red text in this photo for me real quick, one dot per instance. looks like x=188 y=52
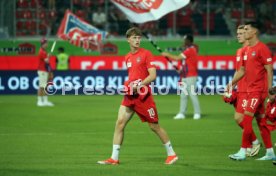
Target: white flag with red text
x=141 y=11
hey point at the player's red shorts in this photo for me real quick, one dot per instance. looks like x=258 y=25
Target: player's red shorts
x=256 y=102
x=241 y=102
x=145 y=109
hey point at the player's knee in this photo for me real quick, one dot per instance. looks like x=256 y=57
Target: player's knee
x=120 y=123
x=249 y=113
x=154 y=127
x=238 y=118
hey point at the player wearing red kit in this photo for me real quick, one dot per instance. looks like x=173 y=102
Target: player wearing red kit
x=43 y=74
x=188 y=74
x=259 y=74
x=142 y=72
x=240 y=104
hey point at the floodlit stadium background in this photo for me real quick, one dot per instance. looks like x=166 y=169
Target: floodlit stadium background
x=69 y=138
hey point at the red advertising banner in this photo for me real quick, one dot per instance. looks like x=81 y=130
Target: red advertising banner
x=114 y=63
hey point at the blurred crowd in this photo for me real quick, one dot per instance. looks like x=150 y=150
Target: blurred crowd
x=37 y=17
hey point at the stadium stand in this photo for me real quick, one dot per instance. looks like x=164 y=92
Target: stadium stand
x=37 y=17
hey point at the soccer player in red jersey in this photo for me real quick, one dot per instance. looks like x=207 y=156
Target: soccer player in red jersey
x=43 y=74
x=141 y=72
x=188 y=75
x=242 y=92
x=259 y=74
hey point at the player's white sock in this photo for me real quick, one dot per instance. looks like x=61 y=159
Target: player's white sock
x=270 y=151
x=255 y=142
x=45 y=98
x=39 y=98
x=169 y=149
x=115 y=152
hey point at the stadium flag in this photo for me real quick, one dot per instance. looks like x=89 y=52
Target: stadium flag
x=141 y=11
x=80 y=33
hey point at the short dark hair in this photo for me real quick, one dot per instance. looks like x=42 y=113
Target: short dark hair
x=241 y=26
x=254 y=24
x=189 y=37
x=133 y=31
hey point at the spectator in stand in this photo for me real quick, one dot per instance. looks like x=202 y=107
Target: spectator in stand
x=99 y=18
x=113 y=26
x=265 y=9
x=123 y=23
x=52 y=4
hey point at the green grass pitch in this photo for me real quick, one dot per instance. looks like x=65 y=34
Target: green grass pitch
x=71 y=137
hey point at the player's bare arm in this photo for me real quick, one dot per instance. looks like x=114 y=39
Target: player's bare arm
x=237 y=77
x=269 y=71
x=174 y=57
x=151 y=77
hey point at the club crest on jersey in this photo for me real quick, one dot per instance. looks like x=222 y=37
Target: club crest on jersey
x=138 y=59
x=128 y=64
x=238 y=58
x=253 y=53
x=269 y=59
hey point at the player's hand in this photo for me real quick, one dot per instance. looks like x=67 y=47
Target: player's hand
x=135 y=85
x=51 y=76
x=271 y=98
x=135 y=89
x=228 y=87
x=47 y=60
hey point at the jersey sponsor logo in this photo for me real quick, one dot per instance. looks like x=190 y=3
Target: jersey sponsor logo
x=140 y=6
x=238 y=58
x=269 y=59
x=245 y=57
x=129 y=64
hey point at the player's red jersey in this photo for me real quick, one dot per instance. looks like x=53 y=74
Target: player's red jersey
x=190 y=63
x=256 y=75
x=138 y=64
x=42 y=55
x=241 y=62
